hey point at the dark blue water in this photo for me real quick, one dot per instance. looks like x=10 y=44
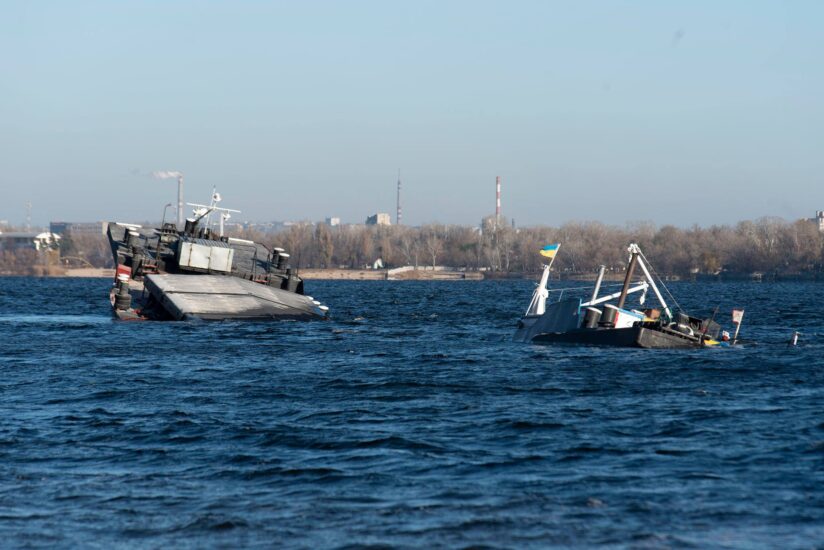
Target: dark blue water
x=409 y=420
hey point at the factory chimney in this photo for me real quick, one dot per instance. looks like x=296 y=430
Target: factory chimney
x=170 y=174
x=180 y=217
x=497 y=199
x=399 y=215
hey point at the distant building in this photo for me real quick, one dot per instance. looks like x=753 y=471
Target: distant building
x=267 y=227
x=490 y=224
x=819 y=219
x=27 y=240
x=333 y=222
x=379 y=219
x=75 y=228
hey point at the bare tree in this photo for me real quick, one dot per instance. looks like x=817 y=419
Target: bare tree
x=324 y=245
x=408 y=244
x=433 y=243
x=768 y=245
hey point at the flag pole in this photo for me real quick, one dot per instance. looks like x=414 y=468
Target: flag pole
x=552 y=259
x=541 y=291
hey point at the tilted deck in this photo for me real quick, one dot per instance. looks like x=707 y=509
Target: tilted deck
x=224 y=297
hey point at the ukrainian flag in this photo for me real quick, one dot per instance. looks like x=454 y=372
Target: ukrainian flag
x=550 y=250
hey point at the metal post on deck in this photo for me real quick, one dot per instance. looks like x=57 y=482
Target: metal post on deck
x=598 y=282
x=630 y=271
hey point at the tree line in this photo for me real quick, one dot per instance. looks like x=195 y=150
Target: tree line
x=766 y=245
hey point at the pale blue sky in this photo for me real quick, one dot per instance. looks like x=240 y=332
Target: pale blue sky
x=691 y=112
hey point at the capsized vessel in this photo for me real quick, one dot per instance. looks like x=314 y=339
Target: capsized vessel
x=608 y=321
x=196 y=272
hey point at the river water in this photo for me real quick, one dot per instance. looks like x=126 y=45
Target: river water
x=409 y=420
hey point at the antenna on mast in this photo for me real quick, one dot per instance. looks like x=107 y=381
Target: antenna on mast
x=216 y=198
x=399 y=215
x=203 y=210
x=28 y=216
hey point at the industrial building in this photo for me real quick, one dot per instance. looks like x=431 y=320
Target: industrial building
x=28 y=240
x=82 y=228
x=819 y=220
x=380 y=218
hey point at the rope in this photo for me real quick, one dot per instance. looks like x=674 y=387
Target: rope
x=661 y=281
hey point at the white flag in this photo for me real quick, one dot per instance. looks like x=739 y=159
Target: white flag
x=737 y=315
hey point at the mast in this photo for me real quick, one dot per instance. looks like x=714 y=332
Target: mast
x=630 y=271
x=204 y=210
x=538 y=304
x=598 y=282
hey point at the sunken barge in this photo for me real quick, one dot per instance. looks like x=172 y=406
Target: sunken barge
x=195 y=272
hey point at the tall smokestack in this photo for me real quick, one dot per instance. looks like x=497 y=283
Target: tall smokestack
x=498 y=198
x=170 y=174
x=399 y=215
x=180 y=202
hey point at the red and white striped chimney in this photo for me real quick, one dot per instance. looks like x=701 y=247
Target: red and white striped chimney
x=497 y=197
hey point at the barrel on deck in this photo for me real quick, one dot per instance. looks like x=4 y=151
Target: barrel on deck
x=608 y=316
x=591 y=317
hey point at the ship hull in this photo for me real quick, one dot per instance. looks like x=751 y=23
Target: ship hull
x=630 y=337
x=216 y=297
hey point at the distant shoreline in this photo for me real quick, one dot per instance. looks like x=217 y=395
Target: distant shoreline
x=97 y=272
x=446 y=274
x=58 y=273
x=400 y=274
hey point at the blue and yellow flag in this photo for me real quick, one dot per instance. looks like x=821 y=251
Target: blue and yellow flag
x=550 y=250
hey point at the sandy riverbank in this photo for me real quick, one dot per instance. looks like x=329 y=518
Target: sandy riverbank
x=343 y=274
x=100 y=272
x=384 y=274
x=315 y=274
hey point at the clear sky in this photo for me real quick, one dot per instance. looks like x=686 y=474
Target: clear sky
x=671 y=112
